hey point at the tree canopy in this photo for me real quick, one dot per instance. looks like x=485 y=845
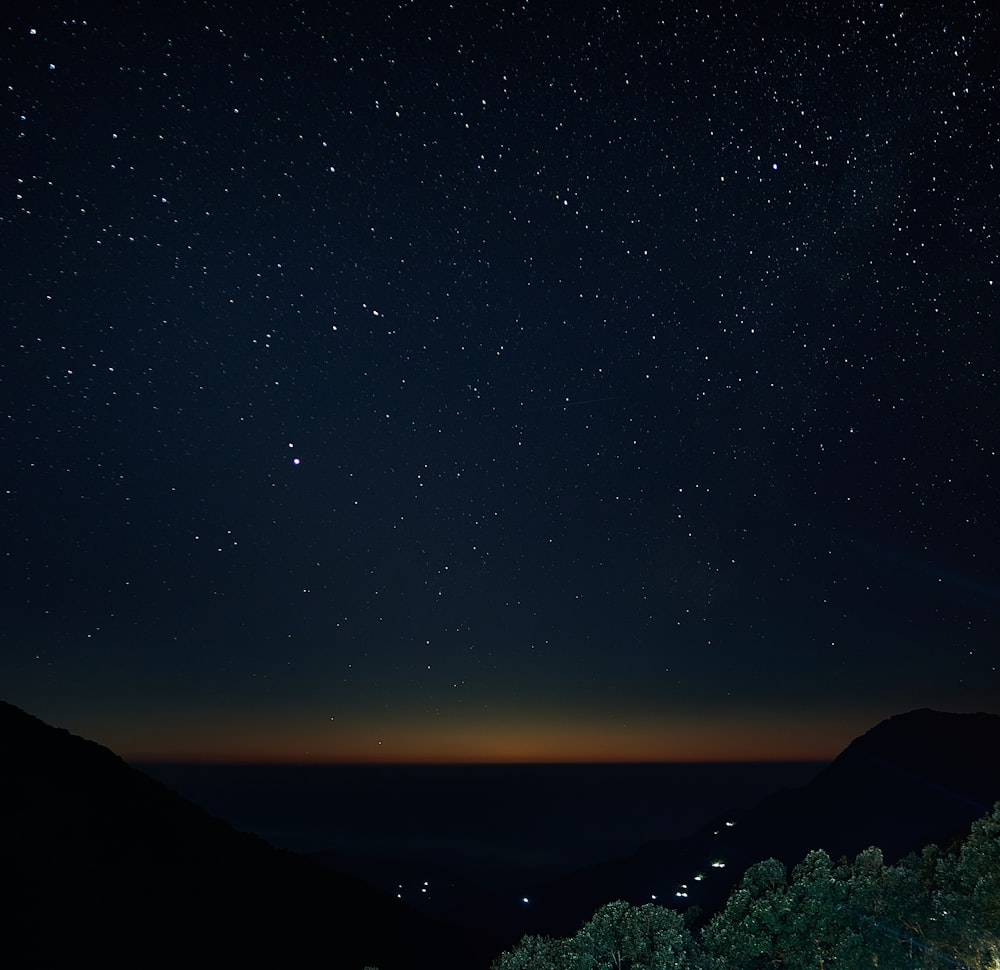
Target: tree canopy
x=936 y=910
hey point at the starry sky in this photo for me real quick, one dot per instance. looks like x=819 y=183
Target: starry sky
x=498 y=381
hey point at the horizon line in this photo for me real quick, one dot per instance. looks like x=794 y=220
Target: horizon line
x=317 y=763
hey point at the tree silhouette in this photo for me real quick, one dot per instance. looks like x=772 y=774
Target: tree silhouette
x=939 y=910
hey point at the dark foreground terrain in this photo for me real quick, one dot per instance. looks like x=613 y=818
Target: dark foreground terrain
x=101 y=865
x=917 y=778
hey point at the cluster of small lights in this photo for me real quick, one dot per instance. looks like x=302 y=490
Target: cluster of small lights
x=682 y=892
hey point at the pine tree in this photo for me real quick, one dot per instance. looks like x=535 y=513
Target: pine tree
x=967 y=899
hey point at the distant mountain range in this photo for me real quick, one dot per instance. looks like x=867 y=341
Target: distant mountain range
x=915 y=778
x=101 y=865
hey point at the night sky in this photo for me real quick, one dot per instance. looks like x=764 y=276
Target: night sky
x=498 y=381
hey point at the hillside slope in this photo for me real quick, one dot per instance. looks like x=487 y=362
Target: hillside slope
x=103 y=866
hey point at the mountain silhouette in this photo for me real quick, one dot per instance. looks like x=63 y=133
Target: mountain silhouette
x=914 y=779
x=102 y=866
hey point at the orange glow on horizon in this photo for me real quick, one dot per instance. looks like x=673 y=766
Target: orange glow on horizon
x=501 y=741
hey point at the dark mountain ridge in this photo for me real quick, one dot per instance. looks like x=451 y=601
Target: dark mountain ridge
x=101 y=865
x=914 y=779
